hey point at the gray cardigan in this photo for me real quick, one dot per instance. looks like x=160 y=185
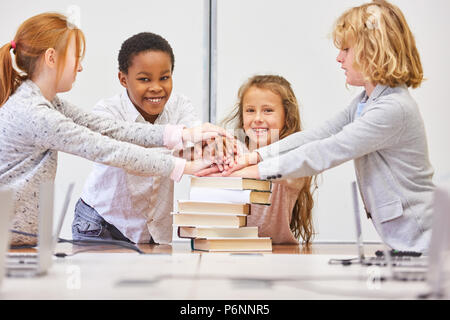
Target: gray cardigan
x=32 y=130
x=389 y=147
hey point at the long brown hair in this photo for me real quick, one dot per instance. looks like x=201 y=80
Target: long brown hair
x=301 y=223
x=33 y=38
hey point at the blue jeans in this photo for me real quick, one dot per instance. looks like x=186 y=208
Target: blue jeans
x=88 y=224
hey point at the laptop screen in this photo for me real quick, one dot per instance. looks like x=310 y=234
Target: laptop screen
x=357 y=221
x=62 y=215
x=6 y=212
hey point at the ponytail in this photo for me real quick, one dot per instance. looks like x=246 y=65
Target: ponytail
x=33 y=38
x=10 y=79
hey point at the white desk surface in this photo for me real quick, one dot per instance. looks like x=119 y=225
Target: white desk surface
x=182 y=274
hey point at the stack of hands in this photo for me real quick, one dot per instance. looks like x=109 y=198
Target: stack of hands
x=212 y=151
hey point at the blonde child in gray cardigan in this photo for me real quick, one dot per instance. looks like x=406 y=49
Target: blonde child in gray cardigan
x=382 y=129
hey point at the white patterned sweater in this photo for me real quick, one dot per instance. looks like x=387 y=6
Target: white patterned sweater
x=33 y=130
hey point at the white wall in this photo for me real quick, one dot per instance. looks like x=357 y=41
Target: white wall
x=291 y=38
x=287 y=37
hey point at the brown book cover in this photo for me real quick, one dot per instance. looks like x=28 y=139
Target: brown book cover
x=188 y=206
x=209 y=220
x=235 y=183
x=216 y=232
x=201 y=194
x=232 y=244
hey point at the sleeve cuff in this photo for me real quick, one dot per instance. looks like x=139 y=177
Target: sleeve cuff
x=173 y=136
x=177 y=171
x=264 y=152
x=267 y=170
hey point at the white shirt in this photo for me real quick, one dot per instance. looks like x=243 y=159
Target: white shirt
x=139 y=206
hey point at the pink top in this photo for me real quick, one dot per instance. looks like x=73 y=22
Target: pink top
x=273 y=221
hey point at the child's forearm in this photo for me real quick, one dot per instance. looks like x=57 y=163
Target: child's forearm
x=50 y=129
x=295 y=140
x=145 y=135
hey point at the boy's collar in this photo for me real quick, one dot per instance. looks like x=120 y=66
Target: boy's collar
x=132 y=112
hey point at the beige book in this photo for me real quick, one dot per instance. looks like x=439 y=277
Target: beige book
x=209 y=220
x=211 y=232
x=232 y=244
x=235 y=183
x=188 y=206
x=228 y=195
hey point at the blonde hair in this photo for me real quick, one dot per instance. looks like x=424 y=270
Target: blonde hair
x=301 y=223
x=385 y=49
x=33 y=38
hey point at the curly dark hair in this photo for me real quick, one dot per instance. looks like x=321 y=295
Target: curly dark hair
x=144 y=41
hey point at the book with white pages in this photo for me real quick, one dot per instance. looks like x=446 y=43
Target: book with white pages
x=216 y=244
x=229 y=195
x=223 y=207
x=209 y=220
x=217 y=232
x=235 y=183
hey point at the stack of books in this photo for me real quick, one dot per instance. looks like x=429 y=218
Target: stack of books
x=215 y=216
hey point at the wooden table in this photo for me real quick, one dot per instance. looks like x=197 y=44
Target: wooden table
x=175 y=272
x=184 y=247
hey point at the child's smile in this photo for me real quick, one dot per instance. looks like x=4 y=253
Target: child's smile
x=155 y=100
x=149 y=82
x=153 y=105
x=263 y=115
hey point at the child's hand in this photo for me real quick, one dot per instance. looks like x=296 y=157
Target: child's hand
x=211 y=171
x=186 y=153
x=220 y=150
x=192 y=167
x=206 y=150
x=251 y=172
x=241 y=162
x=245 y=160
x=224 y=152
x=204 y=132
x=247 y=172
